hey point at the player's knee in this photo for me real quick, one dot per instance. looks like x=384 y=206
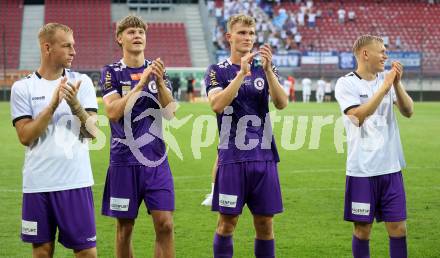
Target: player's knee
x=362 y=231
x=86 y=253
x=124 y=229
x=226 y=226
x=42 y=250
x=263 y=228
x=397 y=229
x=164 y=228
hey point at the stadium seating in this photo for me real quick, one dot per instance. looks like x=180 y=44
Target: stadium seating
x=415 y=22
x=11 y=13
x=164 y=40
x=94 y=34
x=91 y=23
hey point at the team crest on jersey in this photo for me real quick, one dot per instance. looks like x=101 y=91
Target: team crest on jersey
x=259 y=83
x=152 y=87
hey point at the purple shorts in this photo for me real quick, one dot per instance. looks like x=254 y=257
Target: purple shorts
x=381 y=197
x=127 y=186
x=254 y=183
x=71 y=211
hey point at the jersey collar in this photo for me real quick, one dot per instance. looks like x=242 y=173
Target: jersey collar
x=39 y=75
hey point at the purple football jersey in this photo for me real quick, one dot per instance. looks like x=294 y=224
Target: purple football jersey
x=249 y=136
x=120 y=79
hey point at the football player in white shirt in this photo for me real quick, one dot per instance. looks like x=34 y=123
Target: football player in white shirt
x=320 y=90
x=50 y=109
x=307 y=89
x=374 y=183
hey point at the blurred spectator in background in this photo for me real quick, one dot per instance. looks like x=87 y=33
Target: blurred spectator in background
x=306 y=89
x=386 y=41
x=286 y=86
x=175 y=83
x=190 y=87
x=292 y=88
x=311 y=20
x=320 y=85
x=328 y=91
x=341 y=15
x=210 y=4
x=300 y=17
x=298 y=39
x=351 y=16
x=398 y=43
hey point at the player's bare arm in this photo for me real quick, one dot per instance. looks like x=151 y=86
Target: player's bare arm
x=361 y=112
x=276 y=91
x=220 y=99
x=114 y=104
x=70 y=92
x=28 y=130
x=164 y=94
x=404 y=101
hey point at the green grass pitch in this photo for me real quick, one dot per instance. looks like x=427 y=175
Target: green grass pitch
x=312 y=182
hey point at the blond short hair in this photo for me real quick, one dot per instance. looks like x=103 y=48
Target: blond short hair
x=240 y=18
x=363 y=41
x=130 y=21
x=48 y=31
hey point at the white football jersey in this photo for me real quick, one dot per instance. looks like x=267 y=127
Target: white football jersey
x=59 y=158
x=307 y=86
x=320 y=86
x=373 y=148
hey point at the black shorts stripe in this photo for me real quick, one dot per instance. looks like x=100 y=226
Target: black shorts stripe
x=19 y=118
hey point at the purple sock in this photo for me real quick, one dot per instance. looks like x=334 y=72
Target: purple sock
x=264 y=248
x=223 y=246
x=360 y=248
x=398 y=247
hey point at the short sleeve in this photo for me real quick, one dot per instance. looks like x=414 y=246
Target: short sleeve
x=88 y=94
x=212 y=80
x=20 y=103
x=346 y=95
x=107 y=82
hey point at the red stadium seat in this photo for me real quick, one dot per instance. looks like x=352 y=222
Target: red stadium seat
x=11 y=22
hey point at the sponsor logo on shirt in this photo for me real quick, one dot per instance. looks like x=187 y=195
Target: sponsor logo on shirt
x=135 y=76
x=125 y=89
x=29 y=227
x=226 y=200
x=119 y=204
x=259 y=83
x=363 y=96
x=38 y=98
x=358 y=208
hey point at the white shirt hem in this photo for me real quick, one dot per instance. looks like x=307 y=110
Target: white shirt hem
x=367 y=174
x=60 y=188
